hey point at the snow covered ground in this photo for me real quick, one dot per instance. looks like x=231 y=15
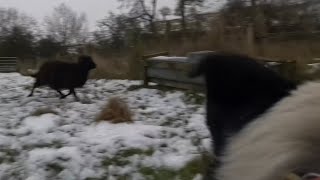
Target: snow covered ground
x=43 y=137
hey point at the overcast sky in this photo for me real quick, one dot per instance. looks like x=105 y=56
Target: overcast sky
x=94 y=9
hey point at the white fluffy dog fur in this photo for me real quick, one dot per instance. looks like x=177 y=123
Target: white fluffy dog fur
x=284 y=139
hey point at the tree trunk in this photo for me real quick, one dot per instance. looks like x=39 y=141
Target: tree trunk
x=153 y=15
x=183 y=16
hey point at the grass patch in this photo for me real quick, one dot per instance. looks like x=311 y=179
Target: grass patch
x=54 y=144
x=117 y=161
x=120 y=159
x=135 y=87
x=173 y=122
x=191 y=97
x=56 y=168
x=166 y=123
x=192 y=169
x=157 y=174
x=8 y=155
x=131 y=152
x=42 y=111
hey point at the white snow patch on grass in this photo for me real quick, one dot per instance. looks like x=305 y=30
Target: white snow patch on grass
x=167 y=134
x=41 y=123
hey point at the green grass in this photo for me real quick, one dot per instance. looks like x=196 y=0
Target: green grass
x=192 y=169
x=57 y=168
x=8 y=155
x=120 y=159
x=191 y=97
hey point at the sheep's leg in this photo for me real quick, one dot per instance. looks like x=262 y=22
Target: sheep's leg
x=31 y=93
x=61 y=94
x=74 y=93
x=67 y=94
x=34 y=86
x=71 y=91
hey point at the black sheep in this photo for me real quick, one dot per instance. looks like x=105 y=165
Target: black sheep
x=61 y=75
x=238 y=90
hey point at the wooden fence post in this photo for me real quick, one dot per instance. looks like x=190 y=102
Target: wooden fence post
x=145 y=71
x=250 y=40
x=145 y=65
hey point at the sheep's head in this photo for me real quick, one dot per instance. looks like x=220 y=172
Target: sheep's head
x=86 y=62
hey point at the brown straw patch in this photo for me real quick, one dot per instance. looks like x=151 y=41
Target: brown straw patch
x=115 y=111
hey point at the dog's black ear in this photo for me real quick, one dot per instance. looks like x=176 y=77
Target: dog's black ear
x=83 y=58
x=198 y=68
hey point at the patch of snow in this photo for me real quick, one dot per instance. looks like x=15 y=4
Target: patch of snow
x=41 y=123
x=198 y=177
x=167 y=131
x=176 y=162
x=313 y=68
x=169 y=58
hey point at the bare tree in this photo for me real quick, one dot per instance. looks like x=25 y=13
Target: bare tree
x=181 y=10
x=66 y=26
x=112 y=31
x=11 y=18
x=17 y=33
x=273 y=15
x=117 y=31
x=165 y=11
x=139 y=9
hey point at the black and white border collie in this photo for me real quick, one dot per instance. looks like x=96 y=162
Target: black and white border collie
x=263 y=126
